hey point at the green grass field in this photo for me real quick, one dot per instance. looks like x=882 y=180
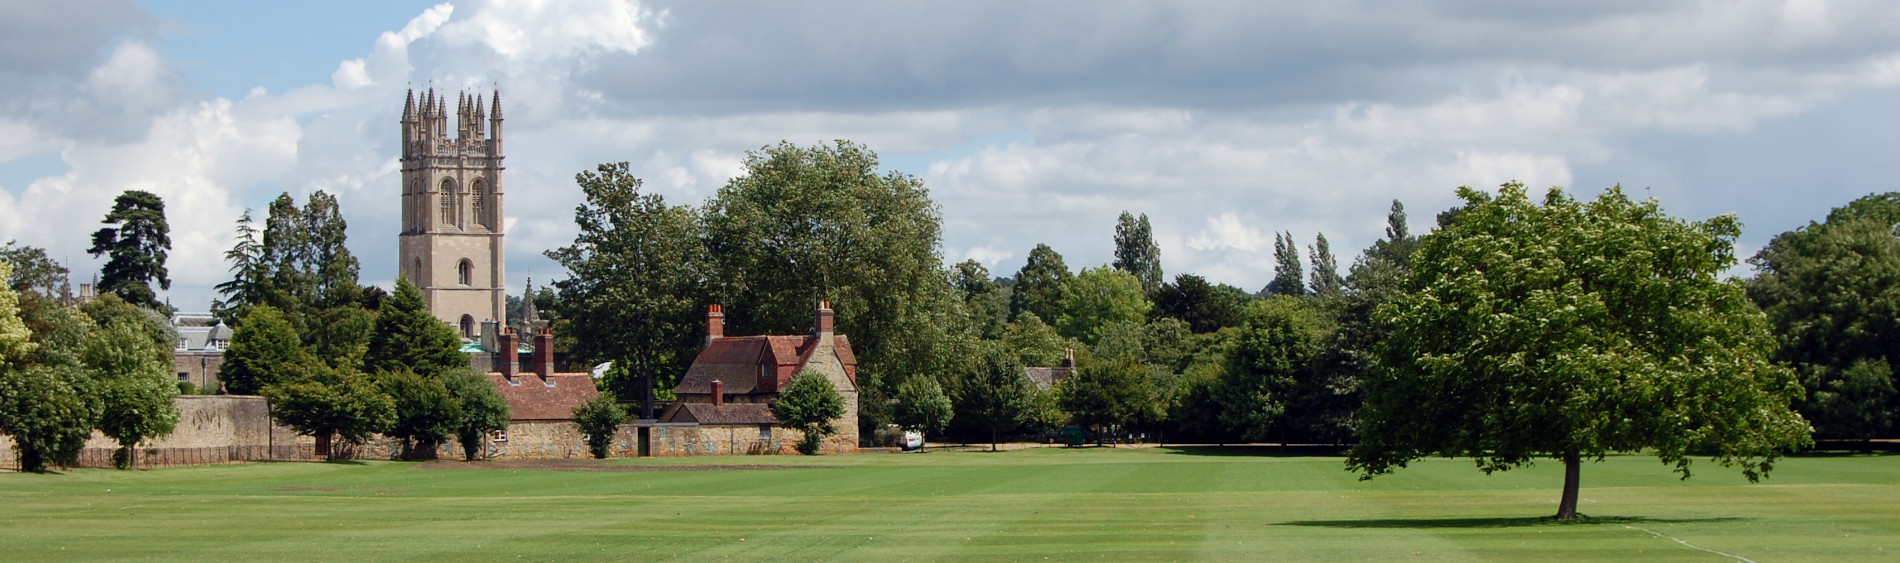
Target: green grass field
x=1055 y=504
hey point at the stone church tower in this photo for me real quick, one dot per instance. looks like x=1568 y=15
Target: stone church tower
x=451 y=208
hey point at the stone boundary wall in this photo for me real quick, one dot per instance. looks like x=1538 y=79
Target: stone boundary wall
x=217 y=429
x=212 y=429
x=551 y=439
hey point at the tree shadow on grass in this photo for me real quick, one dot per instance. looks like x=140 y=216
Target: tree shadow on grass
x=1258 y=451
x=1842 y=453
x=1582 y=519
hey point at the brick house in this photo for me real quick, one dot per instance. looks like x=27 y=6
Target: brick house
x=735 y=378
x=540 y=401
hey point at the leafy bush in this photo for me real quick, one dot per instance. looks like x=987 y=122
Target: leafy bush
x=809 y=405
x=598 y=419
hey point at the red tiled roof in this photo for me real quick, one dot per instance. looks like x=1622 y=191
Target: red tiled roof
x=729 y=413
x=735 y=361
x=530 y=397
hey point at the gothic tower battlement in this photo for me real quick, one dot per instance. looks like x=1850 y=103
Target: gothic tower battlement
x=451 y=241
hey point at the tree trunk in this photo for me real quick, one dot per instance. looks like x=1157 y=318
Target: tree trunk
x=1573 y=466
x=992 y=439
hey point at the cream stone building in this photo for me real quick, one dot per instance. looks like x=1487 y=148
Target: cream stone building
x=451 y=242
x=734 y=379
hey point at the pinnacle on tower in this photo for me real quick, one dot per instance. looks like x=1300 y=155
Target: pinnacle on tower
x=496 y=114
x=409 y=106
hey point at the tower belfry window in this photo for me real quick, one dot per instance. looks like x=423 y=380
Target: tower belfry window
x=480 y=202
x=464 y=272
x=448 y=207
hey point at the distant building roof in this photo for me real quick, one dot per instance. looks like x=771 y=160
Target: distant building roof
x=1046 y=378
x=729 y=413
x=532 y=397
x=195 y=334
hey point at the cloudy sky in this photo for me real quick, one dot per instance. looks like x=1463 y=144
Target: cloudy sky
x=1030 y=122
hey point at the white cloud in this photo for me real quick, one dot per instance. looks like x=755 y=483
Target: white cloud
x=1221 y=122
x=988 y=256
x=1226 y=231
x=542 y=30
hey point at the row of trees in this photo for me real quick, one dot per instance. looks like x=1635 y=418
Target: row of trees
x=337 y=360
x=66 y=372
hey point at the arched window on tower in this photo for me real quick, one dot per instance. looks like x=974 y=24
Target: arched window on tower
x=416 y=276
x=464 y=272
x=468 y=326
x=479 y=200
x=448 y=202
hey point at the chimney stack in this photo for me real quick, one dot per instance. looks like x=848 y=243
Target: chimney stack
x=544 y=353
x=1068 y=358
x=718 y=392
x=507 y=353
x=715 y=323
x=824 y=319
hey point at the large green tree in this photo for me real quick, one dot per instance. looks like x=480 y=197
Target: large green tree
x=426 y=413
x=1039 y=285
x=408 y=337
x=1136 y=251
x=1203 y=306
x=636 y=283
x=986 y=301
x=1111 y=392
x=809 y=223
x=1035 y=343
x=47 y=411
x=33 y=270
x=1097 y=298
x=996 y=395
x=1271 y=354
x=264 y=350
x=1287 y=276
x=1569 y=330
x=136 y=240
x=134 y=386
x=343 y=408
x=483 y=410
x=1325 y=275
x=922 y=406
x=249 y=273
x=1832 y=294
x=15 y=339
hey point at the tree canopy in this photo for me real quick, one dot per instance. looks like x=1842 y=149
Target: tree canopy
x=1097 y=298
x=408 y=337
x=33 y=270
x=810 y=223
x=1832 y=294
x=264 y=350
x=1039 y=285
x=636 y=287
x=996 y=395
x=1136 y=251
x=1569 y=330
x=922 y=406
x=136 y=242
x=1287 y=276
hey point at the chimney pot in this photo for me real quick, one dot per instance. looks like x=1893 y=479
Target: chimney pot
x=1068 y=358
x=824 y=318
x=544 y=353
x=718 y=392
x=715 y=323
x=507 y=353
